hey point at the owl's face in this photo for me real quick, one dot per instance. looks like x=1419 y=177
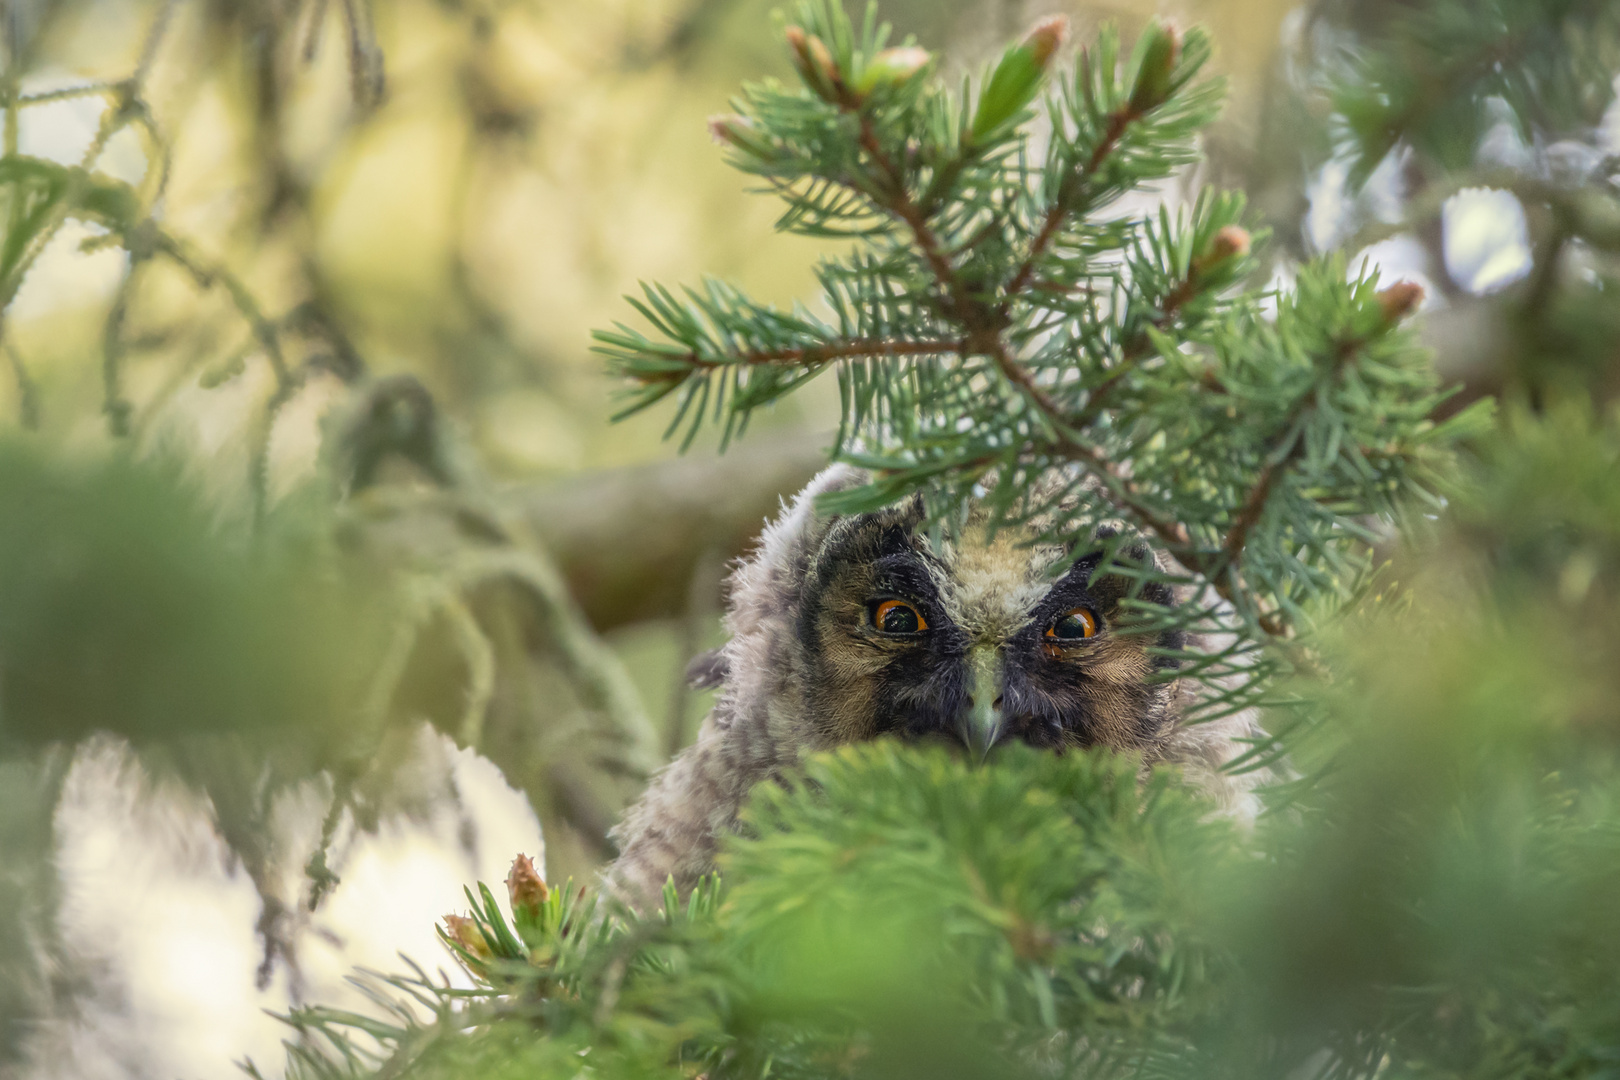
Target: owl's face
x=980 y=641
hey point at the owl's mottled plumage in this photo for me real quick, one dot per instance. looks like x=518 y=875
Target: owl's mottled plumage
x=807 y=668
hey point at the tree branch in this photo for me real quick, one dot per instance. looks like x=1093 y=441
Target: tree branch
x=151 y=237
x=903 y=207
x=1123 y=493
x=1285 y=454
x=1137 y=349
x=1062 y=206
x=819 y=354
x=628 y=541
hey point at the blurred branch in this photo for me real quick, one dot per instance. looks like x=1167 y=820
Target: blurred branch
x=629 y=541
x=494 y=652
x=148 y=238
x=27 y=389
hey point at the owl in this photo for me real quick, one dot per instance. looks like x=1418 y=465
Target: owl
x=851 y=627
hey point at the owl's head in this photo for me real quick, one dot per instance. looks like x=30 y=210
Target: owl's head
x=847 y=627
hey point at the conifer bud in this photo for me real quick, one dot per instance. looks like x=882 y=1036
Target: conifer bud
x=1399 y=300
x=525 y=887
x=815 y=63
x=892 y=67
x=726 y=127
x=798 y=41
x=1044 y=40
x=464 y=932
x=1017 y=79
x=1228 y=243
x=739 y=132
x=1159 y=60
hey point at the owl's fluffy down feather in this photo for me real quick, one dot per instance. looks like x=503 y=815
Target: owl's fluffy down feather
x=777 y=704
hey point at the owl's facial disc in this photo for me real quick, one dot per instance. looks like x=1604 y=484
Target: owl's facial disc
x=975 y=644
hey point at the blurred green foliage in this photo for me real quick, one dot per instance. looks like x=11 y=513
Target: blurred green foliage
x=122 y=607
x=1396 y=109
x=1440 y=907
x=1437 y=76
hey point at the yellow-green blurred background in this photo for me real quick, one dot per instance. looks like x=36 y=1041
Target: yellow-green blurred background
x=525 y=166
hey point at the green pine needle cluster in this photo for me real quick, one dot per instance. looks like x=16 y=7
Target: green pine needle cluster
x=888 y=901
x=902 y=913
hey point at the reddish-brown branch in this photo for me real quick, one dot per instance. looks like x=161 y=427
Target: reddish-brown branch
x=1178 y=543
x=1019 y=376
x=1117 y=122
x=1219 y=568
x=1138 y=347
x=902 y=207
x=811 y=354
x=1253 y=506
x=1223 y=566
x=1120 y=491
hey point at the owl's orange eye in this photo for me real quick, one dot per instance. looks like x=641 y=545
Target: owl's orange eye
x=1075 y=624
x=897 y=617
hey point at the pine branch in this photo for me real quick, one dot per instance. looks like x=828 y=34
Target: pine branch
x=1127 y=496
x=1061 y=313
x=810 y=356
x=902 y=207
x=1140 y=347
x=1062 y=207
x=1291 y=447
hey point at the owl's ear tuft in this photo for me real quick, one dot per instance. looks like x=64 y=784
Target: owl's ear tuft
x=1137 y=552
x=766 y=584
x=798 y=532
x=1123 y=548
x=1132 y=551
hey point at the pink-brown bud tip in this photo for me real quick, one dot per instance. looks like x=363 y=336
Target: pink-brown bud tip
x=1231 y=242
x=1400 y=300
x=525 y=887
x=727 y=128
x=1159 y=61
x=1046 y=38
x=822 y=58
x=739 y=133
x=815 y=63
x=464 y=932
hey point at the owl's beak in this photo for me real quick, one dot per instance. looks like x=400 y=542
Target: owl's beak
x=980 y=723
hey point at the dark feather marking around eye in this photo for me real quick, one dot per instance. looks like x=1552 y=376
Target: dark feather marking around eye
x=1103 y=593
x=904 y=575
